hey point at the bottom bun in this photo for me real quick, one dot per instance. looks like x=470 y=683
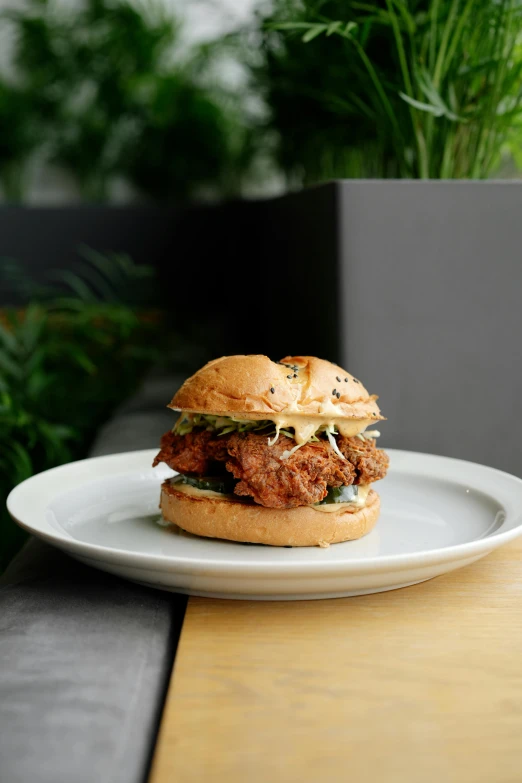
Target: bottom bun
x=254 y=524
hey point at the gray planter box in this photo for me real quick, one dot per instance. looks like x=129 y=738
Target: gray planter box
x=429 y=315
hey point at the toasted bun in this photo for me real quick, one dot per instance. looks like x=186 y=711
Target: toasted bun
x=301 y=385
x=237 y=521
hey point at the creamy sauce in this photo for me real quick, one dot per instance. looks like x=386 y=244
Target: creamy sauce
x=372 y=434
x=188 y=489
x=358 y=502
x=352 y=505
x=305 y=426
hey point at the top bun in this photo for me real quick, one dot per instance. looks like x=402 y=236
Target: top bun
x=256 y=386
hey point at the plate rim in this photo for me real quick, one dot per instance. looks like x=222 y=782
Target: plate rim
x=187 y=565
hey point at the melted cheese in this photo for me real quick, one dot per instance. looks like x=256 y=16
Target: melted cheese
x=352 y=505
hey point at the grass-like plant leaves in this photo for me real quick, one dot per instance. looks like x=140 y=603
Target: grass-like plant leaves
x=401 y=88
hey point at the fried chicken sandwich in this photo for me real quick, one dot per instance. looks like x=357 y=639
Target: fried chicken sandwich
x=274 y=453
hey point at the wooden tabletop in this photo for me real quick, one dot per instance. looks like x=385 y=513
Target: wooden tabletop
x=415 y=685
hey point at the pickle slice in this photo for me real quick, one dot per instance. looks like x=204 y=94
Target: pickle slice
x=222 y=484
x=340 y=495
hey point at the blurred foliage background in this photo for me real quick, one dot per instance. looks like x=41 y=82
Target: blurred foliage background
x=79 y=345
x=110 y=92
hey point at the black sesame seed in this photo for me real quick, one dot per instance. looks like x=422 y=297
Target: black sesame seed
x=272 y=390
x=337 y=378
x=295 y=376
x=355 y=380
x=346 y=380
x=289 y=376
x=334 y=392
x=338 y=395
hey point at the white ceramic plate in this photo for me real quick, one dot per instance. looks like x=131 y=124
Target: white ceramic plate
x=438 y=514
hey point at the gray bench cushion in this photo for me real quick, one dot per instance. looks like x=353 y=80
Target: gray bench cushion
x=85 y=657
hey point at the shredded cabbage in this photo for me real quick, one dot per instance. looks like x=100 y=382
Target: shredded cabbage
x=273 y=441
x=288 y=453
x=278 y=430
x=330 y=432
x=223 y=425
x=369 y=435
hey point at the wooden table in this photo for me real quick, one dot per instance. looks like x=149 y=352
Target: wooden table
x=412 y=686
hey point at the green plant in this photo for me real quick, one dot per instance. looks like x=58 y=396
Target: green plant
x=113 y=94
x=67 y=360
x=20 y=136
x=176 y=119
x=394 y=88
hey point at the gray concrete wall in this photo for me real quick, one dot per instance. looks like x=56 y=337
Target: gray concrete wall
x=431 y=287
